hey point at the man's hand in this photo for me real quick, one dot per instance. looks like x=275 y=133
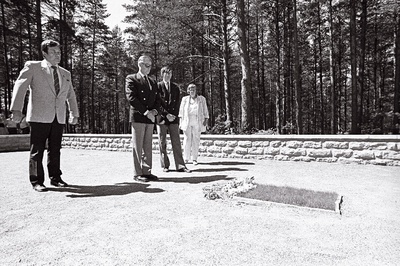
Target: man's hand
x=170 y=117
x=150 y=115
x=16 y=116
x=73 y=120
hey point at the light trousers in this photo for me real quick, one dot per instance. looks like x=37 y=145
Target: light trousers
x=191 y=142
x=142 y=141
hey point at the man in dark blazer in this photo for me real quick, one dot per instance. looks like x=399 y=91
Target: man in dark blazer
x=51 y=91
x=168 y=120
x=142 y=94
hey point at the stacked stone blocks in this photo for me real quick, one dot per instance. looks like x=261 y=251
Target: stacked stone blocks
x=361 y=149
x=17 y=142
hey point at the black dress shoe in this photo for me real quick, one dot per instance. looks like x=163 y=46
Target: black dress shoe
x=150 y=177
x=184 y=170
x=166 y=170
x=58 y=183
x=40 y=188
x=141 y=178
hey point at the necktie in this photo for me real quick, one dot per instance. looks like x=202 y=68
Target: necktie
x=167 y=91
x=148 y=82
x=56 y=80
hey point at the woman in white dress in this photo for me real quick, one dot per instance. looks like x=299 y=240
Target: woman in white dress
x=193 y=114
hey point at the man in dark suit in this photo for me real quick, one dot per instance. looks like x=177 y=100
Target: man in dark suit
x=169 y=121
x=50 y=89
x=142 y=94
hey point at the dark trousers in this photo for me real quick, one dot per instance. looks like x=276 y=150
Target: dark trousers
x=40 y=133
x=176 y=145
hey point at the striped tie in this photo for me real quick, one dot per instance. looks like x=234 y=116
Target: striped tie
x=148 y=82
x=56 y=80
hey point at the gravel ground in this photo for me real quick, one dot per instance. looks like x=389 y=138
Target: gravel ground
x=105 y=218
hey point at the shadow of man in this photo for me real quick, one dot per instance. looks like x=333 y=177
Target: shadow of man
x=194 y=179
x=230 y=163
x=118 y=189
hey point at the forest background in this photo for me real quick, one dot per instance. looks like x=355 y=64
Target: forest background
x=270 y=67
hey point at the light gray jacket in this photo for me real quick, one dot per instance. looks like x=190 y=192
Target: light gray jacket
x=43 y=103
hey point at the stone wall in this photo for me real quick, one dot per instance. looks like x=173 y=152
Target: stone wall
x=18 y=142
x=360 y=149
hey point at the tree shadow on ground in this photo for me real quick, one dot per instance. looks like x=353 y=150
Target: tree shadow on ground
x=118 y=189
x=219 y=169
x=194 y=179
x=229 y=163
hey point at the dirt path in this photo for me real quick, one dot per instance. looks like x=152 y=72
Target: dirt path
x=105 y=218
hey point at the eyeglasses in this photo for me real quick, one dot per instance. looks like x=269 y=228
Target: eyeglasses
x=146 y=65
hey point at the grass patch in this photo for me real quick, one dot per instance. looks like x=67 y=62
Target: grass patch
x=293 y=196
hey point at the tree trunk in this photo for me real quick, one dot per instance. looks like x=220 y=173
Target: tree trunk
x=342 y=100
x=321 y=73
x=263 y=85
x=396 y=105
x=286 y=66
x=355 y=128
x=39 y=28
x=225 y=60
x=93 y=110
x=210 y=78
x=260 y=72
x=332 y=74
x=278 y=105
x=28 y=22
x=315 y=87
x=245 y=63
x=60 y=31
x=7 y=93
x=361 y=76
x=297 y=80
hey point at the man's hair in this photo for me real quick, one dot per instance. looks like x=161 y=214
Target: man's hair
x=142 y=57
x=48 y=43
x=165 y=69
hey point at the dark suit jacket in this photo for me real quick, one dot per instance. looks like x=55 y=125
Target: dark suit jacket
x=141 y=98
x=169 y=102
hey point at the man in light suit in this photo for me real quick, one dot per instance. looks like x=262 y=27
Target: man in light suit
x=142 y=94
x=50 y=89
x=169 y=121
